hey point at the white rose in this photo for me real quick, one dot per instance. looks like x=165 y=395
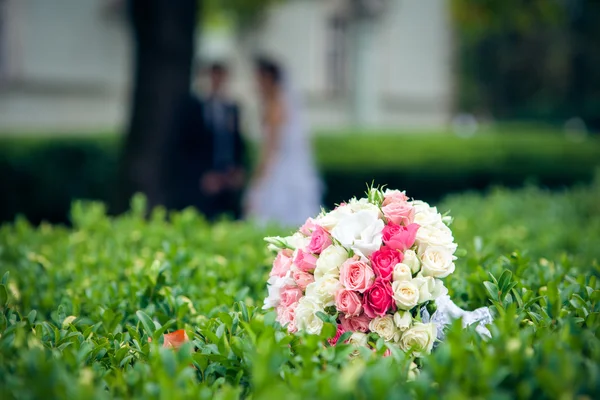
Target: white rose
x=406 y=294
x=330 y=261
x=298 y=241
x=429 y=288
x=329 y=220
x=435 y=236
x=425 y=215
x=358 y=339
x=412 y=260
x=274 y=285
x=419 y=339
x=385 y=328
x=323 y=291
x=437 y=261
x=433 y=231
x=361 y=231
x=403 y=320
x=363 y=204
x=306 y=316
x=402 y=272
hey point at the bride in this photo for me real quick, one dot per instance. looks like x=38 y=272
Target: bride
x=285 y=187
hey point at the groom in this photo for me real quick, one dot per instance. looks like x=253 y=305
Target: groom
x=207 y=164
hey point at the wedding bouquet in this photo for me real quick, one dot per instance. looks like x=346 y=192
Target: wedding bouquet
x=374 y=265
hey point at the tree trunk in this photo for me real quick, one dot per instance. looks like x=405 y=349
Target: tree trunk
x=163 y=32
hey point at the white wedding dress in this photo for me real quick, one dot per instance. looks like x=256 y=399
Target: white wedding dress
x=291 y=190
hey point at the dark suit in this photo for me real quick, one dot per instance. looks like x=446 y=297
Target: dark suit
x=201 y=143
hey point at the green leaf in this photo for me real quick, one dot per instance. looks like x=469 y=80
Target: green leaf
x=234 y=324
x=220 y=330
x=31 y=316
x=504 y=281
x=4 y=280
x=201 y=361
x=3 y=295
x=518 y=298
x=147 y=323
x=324 y=317
x=244 y=311
x=345 y=336
x=492 y=290
x=125 y=361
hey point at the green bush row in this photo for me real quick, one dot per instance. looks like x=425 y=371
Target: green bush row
x=41 y=176
x=78 y=305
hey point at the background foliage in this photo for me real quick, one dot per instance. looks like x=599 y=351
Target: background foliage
x=238 y=14
x=41 y=176
x=77 y=306
x=529 y=59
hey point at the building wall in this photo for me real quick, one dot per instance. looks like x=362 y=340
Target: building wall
x=415 y=71
x=66 y=63
x=412 y=66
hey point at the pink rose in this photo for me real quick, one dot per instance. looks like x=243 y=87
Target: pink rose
x=400 y=237
x=378 y=299
x=290 y=295
x=302 y=279
x=308 y=227
x=348 y=302
x=383 y=262
x=287 y=316
x=399 y=213
x=319 y=241
x=394 y=196
x=305 y=261
x=292 y=328
x=339 y=332
x=282 y=263
x=281 y=314
x=355 y=324
x=356 y=275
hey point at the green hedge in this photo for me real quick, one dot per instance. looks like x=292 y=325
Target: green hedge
x=433 y=165
x=41 y=176
x=79 y=304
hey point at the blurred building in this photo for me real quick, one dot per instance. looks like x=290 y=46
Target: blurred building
x=65 y=64
x=401 y=77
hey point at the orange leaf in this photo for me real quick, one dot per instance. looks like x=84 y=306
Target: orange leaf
x=175 y=339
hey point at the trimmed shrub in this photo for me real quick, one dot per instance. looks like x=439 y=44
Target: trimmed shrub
x=39 y=177
x=79 y=304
